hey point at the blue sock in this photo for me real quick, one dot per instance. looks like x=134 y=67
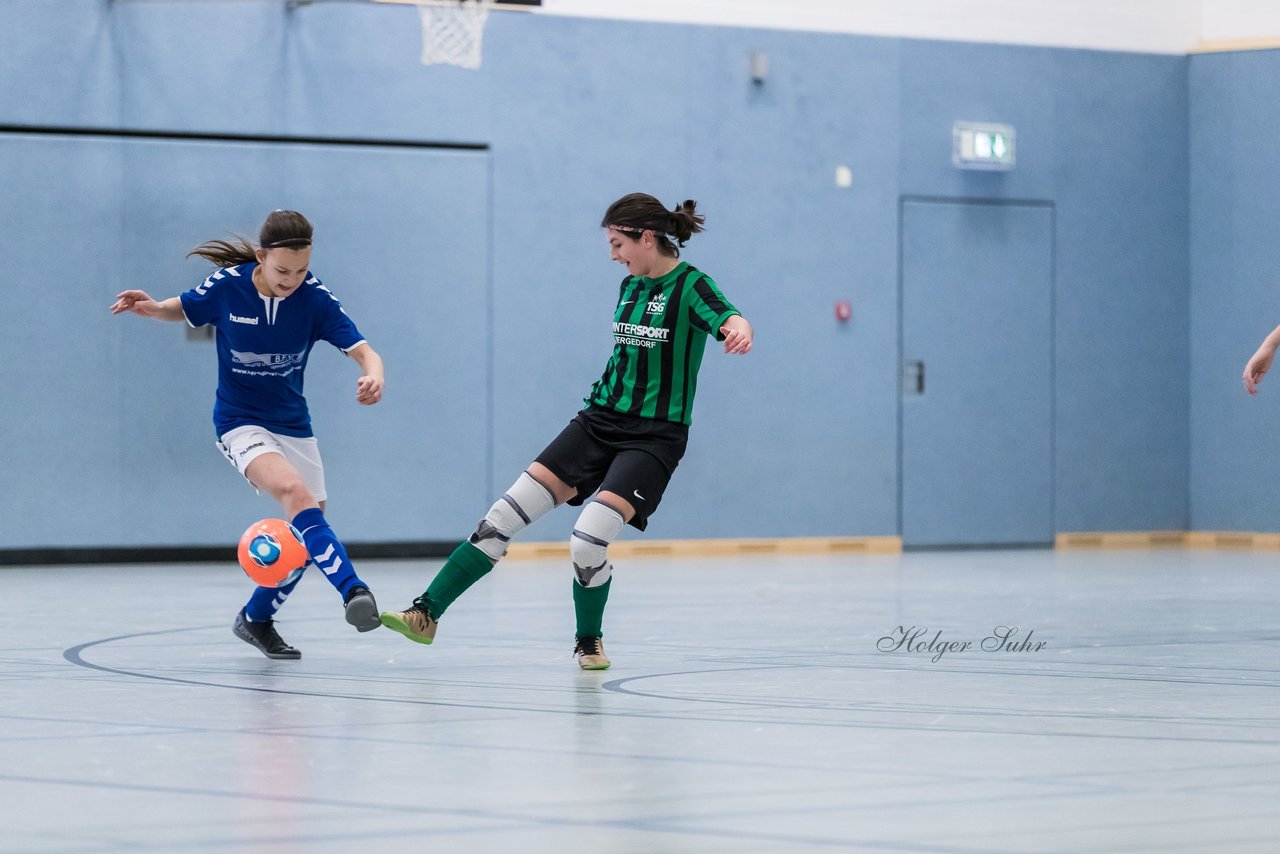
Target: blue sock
x=265 y=601
x=326 y=550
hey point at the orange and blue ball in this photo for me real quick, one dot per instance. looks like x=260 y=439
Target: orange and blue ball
x=272 y=553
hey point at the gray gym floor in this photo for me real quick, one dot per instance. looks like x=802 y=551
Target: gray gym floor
x=748 y=710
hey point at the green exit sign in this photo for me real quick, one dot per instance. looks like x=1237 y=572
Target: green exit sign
x=976 y=145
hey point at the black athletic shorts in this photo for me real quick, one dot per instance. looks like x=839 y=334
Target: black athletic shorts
x=631 y=456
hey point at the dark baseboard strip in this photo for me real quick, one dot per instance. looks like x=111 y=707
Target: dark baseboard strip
x=204 y=554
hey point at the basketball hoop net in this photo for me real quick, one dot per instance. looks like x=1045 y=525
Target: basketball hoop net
x=453 y=31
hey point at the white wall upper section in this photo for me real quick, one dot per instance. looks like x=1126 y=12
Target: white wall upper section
x=1240 y=20
x=1152 y=26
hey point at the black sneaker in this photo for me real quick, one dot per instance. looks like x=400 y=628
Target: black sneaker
x=264 y=637
x=362 y=611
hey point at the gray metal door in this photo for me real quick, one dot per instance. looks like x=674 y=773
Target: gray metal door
x=977 y=402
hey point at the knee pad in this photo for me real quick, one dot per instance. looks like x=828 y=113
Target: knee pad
x=524 y=503
x=598 y=526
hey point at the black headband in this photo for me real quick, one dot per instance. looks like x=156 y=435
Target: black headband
x=288 y=243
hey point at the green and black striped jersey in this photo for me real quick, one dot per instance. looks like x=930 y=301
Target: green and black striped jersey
x=660 y=329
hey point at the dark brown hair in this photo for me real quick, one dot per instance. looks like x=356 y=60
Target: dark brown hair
x=636 y=213
x=282 y=230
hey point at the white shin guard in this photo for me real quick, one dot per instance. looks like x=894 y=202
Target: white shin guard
x=598 y=526
x=524 y=503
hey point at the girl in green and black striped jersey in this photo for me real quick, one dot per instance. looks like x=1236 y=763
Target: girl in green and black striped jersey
x=621 y=450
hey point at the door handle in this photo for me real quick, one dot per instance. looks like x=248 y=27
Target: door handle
x=913 y=377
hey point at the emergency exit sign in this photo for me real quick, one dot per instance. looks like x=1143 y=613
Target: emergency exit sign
x=976 y=145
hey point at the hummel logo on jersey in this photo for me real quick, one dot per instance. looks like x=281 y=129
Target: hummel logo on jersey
x=252 y=321
x=658 y=304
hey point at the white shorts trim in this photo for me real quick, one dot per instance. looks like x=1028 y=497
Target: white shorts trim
x=243 y=445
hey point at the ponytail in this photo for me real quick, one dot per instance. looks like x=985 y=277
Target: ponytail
x=685 y=221
x=220 y=253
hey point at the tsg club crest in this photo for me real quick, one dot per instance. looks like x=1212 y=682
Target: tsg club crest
x=658 y=304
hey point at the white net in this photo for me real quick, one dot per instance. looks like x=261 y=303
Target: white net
x=453 y=31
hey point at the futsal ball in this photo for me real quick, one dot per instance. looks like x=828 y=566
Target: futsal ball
x=271 y=553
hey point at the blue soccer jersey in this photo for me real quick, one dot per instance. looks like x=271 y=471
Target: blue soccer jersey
x=263 y=344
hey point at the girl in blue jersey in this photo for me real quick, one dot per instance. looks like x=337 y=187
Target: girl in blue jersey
x=269 y=310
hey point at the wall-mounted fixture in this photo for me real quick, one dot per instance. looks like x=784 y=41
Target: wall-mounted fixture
x=978 y=145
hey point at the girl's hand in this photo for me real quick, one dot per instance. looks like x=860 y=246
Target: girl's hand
x=1257 y=368
x=737 y=335
x=368 y=390
x=136 y=301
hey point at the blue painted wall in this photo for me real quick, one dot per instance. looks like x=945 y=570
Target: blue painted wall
x=1235 y=220
x=800 y=438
